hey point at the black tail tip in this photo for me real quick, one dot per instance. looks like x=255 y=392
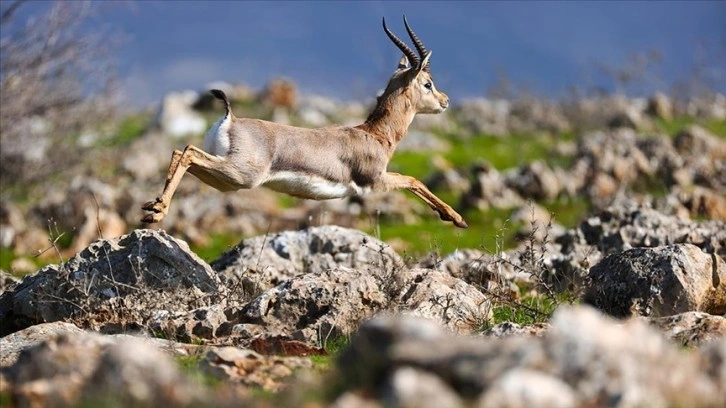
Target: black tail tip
x=219 y=94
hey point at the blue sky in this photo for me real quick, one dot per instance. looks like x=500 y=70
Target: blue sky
x=338 y=48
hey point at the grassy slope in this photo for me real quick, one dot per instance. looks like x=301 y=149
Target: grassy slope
x=490 y=230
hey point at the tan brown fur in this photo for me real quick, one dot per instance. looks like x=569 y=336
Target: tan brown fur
x=330 y=162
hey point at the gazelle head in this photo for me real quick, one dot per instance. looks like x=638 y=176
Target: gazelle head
x=413 y=77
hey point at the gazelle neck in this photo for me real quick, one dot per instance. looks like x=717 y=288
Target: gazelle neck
x=390 y=119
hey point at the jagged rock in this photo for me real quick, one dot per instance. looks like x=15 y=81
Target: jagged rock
x=707 y=107
x=282 y=346
x=84 y=368
x=535 y=181
x=590 y=359
x=140 y=374
x=630 y=118
x=483 y=270
x=321 y=306
x=12 y=222
x=691 y=328
x=537 y=223
x=22 y=266
x=419 y=141
x=317 y=306
x=443 y=298
x=263 y=262
x=508 y=329
x=483 y=116
x=627 y=224
x=614 y=153
x=448 y=179
x=250 y=368
x=471 y=265
x=440 y=124
x=197 y=210
x=113 y=284
x=7 y=281
x=529 y=115
x=195 y=325
x=702 y=202
x=489 y=190
x=412 y=388
x=658 y=282
x=354 y=400
x=703 y=155
x=523 y=388
x=395 y=205
x=89 y=206
x=660 y=106
x=12 y=344
x=145 y=160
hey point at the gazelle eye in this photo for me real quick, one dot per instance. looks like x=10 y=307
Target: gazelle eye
x=428 y=85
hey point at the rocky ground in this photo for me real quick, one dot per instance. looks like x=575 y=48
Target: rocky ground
x=622 y=308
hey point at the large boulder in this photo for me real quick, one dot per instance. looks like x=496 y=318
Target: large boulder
x=12 y=344
x=241 y=366
x=658 y=282
x=88 y=368
x=630 y=224
x=265 y=261
x=112 y=285
x=691 y=328
x=585 y=359
x=318 y=307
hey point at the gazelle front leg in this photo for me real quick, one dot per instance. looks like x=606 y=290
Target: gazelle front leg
x=395 y=181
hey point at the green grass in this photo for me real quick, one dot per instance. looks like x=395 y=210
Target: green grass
x=63 y=240
x=218 y=243
x=501 y=152
x=189 y=365
x=130 y=128
x=487 y=230
x=717 y=127
x=286 y=201
x=6 y=258
x=532 y=309
x=567 y=211
x=676 y=125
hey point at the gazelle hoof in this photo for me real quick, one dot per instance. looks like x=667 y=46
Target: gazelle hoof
x=461 y=223
x=152 y=218
x=154 y=206
x=458 y=222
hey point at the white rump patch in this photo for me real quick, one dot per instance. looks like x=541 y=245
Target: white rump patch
x=313 y=187
x=216 y=141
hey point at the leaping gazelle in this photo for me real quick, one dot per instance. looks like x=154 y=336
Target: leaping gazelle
x=318 y=164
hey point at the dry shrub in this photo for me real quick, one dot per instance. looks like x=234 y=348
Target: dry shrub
x=57 y=79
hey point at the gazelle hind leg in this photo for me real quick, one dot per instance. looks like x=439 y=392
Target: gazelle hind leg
x=202 y=165
x=173 y=164
x=395 y=181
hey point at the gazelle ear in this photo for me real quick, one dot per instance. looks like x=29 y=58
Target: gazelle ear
x=403 y=63
x=424 y=63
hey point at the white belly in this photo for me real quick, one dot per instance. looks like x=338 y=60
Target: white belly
x=309 y=186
